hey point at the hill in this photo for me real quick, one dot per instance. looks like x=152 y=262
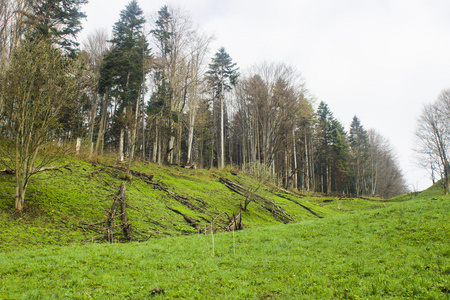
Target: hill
x=72 y=204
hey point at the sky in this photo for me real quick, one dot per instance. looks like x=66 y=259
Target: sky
x=380 y=60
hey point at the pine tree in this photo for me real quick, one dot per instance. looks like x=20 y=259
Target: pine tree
x=58 y=20
x=333 y=151
x=324 y=119
x=358 y=143
x=122 y=74
x=162 y=101
x=222 y=77
x=340 y=154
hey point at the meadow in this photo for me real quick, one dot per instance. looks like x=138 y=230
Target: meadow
x=365 y=249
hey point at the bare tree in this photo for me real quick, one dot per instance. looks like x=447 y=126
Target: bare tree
x=35 y=86
x=12 y=28
x=270 y=108
x=199 y=47
x=384 y=176
x=173 y=33
x=433 y=135
x=94 y=48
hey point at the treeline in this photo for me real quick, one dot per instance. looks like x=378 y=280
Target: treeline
x=157 y=95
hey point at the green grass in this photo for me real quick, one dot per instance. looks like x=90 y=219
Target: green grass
x=359 y=249
x=400 y=252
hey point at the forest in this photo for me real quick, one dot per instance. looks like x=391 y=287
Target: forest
x=154 y=91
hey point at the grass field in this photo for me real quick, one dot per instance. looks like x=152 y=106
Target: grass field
x=361 y=249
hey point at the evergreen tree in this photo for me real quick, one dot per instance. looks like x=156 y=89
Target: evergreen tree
x=58 y=20
x=333 y=151
x=358 y=143
x=222 y=77
x=324 y=139
x=122 y=74
x=162 y=31
x=340 y=154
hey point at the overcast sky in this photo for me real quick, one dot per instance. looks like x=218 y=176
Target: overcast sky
x=380 y=60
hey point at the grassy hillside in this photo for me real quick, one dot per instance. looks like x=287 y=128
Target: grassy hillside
x=400 y=252
x=332 y=248
x=71 y=205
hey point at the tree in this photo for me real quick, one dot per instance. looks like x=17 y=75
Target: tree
x=94 y=49
x=433 y=135
x=58 y=20
x=12 y=29
x=161 y=103
x=199 y=47
x=222 y=77
x=35 y=86
x=358 y=145
x=340 y=156
x=179 y=60
x=324 y=141
x=122 y=74
x=385 y=177
x=271 y=109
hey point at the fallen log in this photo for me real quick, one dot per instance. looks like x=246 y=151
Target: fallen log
x=191 y=221
x=50 y=168
x=292 y=200
x=36 y=170
x=8 y=172
x=96 y=172
x=182 y=199
x=142 y=175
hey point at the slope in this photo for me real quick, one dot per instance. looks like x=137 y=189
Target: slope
x=73 y=204
x=398 y=252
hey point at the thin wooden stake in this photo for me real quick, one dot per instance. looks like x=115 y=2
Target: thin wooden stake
x=212 y=237
x=234 y=245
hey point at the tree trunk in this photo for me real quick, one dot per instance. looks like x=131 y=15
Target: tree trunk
x=307 y=179
x=171 y=149
x=295 y=161
x=91 y=126
x=222 y=133
x=134 y=133
x=191 y=135
x=78 y=146
x=101 y=128
x=159 y=148
x=178 y=143
x=143 y=134
x=121 y=138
